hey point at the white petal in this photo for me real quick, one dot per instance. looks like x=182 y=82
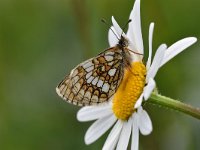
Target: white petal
x=176 y=48
x=135 y=133
x=156 y=62
x=117 y=28
x=139 y=101
x=112 y=39
x=144 y=122
x=98 y=128
x=113 y=136
x=149 y=88
x=125 y=135
x=134 y=32
x=89 y=113
x=151 y=28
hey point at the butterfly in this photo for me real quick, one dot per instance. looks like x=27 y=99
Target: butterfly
x=96 y=80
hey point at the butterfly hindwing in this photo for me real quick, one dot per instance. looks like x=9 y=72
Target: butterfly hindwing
x=95 y=80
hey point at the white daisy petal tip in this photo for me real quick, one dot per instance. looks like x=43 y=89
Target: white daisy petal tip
x=81 y=113
x=117 y=28
x=151 y=29
x=144 y=122
x=152 y=24
x=89 y=113
x=87 y=141
x=193 y=39
x=112 y=39
x=157 y=60
x=98 y=128
x=177 y=48
x=163 y=46
x=134 y=32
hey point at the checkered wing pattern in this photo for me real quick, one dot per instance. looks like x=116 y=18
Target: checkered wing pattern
x=95 y=80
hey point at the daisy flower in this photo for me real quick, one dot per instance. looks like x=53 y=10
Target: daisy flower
x=124 y=112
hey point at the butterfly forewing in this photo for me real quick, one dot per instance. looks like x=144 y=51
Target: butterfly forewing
x=95 y=80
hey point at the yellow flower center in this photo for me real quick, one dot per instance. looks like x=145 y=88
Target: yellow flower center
x=129 y=91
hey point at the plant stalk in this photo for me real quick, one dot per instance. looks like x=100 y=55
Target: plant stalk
x=174 y=104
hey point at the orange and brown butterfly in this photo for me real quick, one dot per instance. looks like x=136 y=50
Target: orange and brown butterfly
x=97 y=79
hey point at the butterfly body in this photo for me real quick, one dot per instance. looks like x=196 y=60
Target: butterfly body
x=97 y=79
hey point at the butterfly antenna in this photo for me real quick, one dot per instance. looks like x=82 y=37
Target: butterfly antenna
x=125 y=26
x=104 y=21
x=135 y=52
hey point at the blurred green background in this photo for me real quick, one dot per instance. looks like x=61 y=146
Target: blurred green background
x=42 y=40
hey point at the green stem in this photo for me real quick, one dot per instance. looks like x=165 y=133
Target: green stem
x=174 y=104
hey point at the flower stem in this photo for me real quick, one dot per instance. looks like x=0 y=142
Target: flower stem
x=174 y=104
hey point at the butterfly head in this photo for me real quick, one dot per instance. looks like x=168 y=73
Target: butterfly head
x=123 y=42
